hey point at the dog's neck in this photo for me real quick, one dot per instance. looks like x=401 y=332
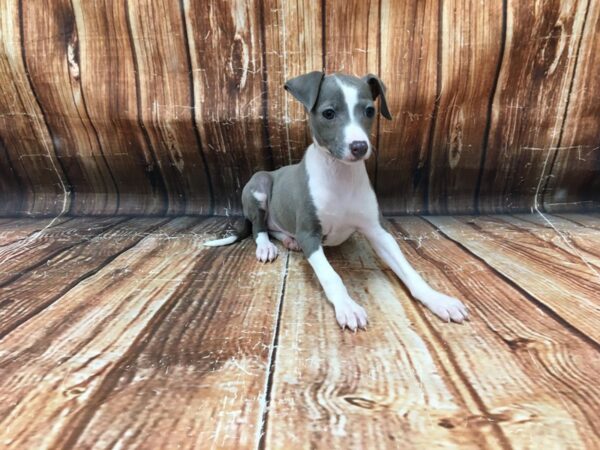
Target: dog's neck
x=331 y=168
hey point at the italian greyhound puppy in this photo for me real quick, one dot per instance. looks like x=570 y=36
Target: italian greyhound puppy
x=326 y=197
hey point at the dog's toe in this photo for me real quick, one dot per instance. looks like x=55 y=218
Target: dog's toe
x=266 y=252
x=351 y=315
x=447 y=308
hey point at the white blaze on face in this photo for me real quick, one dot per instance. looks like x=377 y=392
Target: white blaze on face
x=352 y=131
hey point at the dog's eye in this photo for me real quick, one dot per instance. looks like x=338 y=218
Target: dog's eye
x=369 y=111
x=329 y=114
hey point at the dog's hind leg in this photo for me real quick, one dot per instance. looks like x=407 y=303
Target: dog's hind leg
x=255 y=201
x=288 y=242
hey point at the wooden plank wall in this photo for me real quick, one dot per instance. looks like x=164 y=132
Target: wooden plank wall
x=168 y=107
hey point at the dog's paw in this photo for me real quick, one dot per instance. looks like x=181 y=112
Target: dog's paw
x=447 y=308
x=350 y=314
x=266 y=251
x=291 y=244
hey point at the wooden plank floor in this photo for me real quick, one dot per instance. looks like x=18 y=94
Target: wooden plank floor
x=128 y=333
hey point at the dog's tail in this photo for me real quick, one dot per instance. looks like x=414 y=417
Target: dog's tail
x=241 y=232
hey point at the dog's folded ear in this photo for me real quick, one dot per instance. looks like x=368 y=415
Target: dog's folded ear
x=306 y=88
x=378 y=89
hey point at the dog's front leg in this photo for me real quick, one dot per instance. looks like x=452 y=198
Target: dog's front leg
x=347 y=312
x=444 y=306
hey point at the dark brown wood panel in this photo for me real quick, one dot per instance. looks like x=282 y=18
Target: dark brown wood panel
x=227 y=63
x=293 y=45
x=409 y=58
x=26 y=147
x=51 y=50
x=163 y=71
x=559 y=279
x=11 y=193
x=471 y=38
x=169 y=107
x=107 y=71
x=574 y=180
x=530 y=100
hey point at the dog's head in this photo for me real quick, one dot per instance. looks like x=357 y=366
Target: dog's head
x=342 y=111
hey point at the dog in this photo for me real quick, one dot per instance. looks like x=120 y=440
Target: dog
x=327 y=197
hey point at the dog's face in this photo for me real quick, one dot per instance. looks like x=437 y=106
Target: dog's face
x=342 y=111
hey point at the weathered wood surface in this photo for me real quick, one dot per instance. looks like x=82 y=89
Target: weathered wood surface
x=22 y=255
x=574 y=180
x=19 y=229
x=30 y=292
x=162 y=324
x=471 y=42
x=293 y=46
x=34 y=180
x=587 y=220
x=153 y=107
x=136 y=336
x=409 y=57
x=552 y=271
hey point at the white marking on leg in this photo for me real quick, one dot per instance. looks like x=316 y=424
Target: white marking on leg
x=265 y=249
x=261 y=197
x=445 y=307
x=347 y=312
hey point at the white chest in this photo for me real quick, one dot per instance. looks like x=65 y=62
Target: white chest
x=342 y=196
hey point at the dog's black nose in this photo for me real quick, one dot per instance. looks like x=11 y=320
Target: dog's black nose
x=359 y=148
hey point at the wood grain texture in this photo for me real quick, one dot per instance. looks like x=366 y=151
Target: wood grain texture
x=554 y=275
x=26 y=147
x=574 y=180
x=532 y=377
x=20 y=229
x=70 y=373
x=380 y=389
x=227 y=63
x=471 y=39
x=168 y=107
x=51 y=51
x=293 y=45
x=409 y=57
x=586 y=220
x=25 y=254
x=411 y=380
x=109 y=88
x=571 y=237
x=163 y=71
x=11 y=194
x=138 y=336
x=530 y=100
x=30 y=293
x=199 y=378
